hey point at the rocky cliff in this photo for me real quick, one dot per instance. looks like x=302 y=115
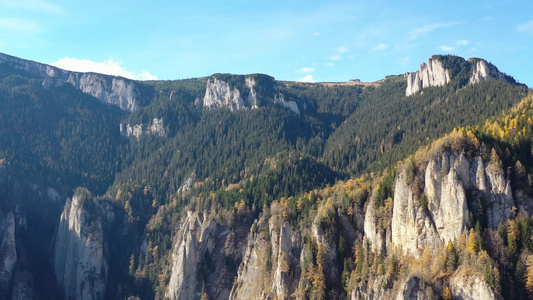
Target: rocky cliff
x=156 y=128
x=244 y=92
x=8 y=250
x=118 y=91
x=271 y=264
x=201 y=258
x=430 y=207
x=431 y=74
x=483 y=70
x=79 y=253
x=470 y=288
x=434 y=73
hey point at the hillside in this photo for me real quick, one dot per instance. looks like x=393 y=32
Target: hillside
x=242 y=186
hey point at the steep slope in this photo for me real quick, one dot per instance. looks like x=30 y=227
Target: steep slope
x=124 y=93
x=8 y=251
x=442 y=70
x=387 y=125
x=430 y=74
x=238 y=186
x=79 y=260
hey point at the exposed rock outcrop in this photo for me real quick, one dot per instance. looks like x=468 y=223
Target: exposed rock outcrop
x=249 y=94
x=8 y=250
x=465 y=287
x=194 y=237
x=370 y=290
x=118 y=91
x=156 y=128
x=434 y=74
x=433 y=208
x=219 y=93
x=379 y=237
x=269 y=267
x=483 y=70
x=79 y=261
x=293 y=106
x=410 y=290
x=431 y=74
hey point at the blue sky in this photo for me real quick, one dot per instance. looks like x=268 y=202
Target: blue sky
x=290 y=40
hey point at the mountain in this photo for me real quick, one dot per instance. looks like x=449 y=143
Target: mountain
x=245 y=187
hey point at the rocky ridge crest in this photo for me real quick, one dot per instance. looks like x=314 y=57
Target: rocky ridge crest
x=118 y=91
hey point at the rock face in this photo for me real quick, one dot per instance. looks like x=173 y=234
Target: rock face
x=248 y=95
x=23 y=286
x=483 y=70
x=219 y=93
x=8 y=250
x=431 y=74
x=434 y=74
x=118 y=91
x=79 y=262
x=379 y=238
x=470 y=288
x=156 y=128
x=195 y=236
x=278 y=252
x=410 y=290
x=444 y=186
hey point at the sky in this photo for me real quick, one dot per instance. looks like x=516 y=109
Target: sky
x=293 y=40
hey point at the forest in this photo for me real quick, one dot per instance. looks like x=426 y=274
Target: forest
x=317 y=171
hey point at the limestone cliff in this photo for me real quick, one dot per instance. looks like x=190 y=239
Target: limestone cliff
x=205 y=256
x=244 y=92
x=483 y=70
x=156 y=128
x=433 y=209
x=435 y=74
x=79 y=261
x=471 y=288
x=269 y=268
x=118 y=91
x=431 y=74
x=8 y=250
x=219 y=93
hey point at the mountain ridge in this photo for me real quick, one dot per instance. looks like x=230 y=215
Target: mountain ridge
x=249 y=198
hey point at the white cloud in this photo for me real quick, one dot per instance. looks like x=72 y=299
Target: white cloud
x=307 y=78
x=316 y=33
x=431 y=27
x=330 y=64
x=462 y=43
x=381 y=47
x=38 y=5
x=109 y=67
x=335 y=57
x=306 y=70
x=21 y=25
x=342 y=49
x=446 y=48
x=528 y=27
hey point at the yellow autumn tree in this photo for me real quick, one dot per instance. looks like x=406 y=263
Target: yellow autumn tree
x=529 y=274
x=471 y=243
x=447 y=294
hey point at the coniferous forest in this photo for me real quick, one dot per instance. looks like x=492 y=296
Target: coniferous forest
x=312 y=198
